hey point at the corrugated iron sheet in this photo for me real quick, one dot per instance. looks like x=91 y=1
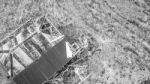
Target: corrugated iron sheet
x=43 y=68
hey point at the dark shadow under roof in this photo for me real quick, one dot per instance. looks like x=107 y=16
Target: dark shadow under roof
x=45 y=66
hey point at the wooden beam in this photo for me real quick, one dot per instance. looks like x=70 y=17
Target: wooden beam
x=15 y=32
x=4 y=51
x=11 y=64
x=23 y=41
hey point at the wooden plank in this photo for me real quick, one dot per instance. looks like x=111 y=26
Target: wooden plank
x=26 y=51
x=17 y=58
x=4 y=51
x=15 y=32
x=23 y=41
x=11 y=65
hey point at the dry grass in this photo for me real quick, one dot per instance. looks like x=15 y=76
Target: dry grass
x=118 y=28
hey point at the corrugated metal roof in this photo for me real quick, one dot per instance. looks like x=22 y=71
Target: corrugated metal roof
x=43 y=68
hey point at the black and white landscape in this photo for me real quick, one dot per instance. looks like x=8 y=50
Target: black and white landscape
x=106 y=41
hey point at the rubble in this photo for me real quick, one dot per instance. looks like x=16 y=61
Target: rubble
x=110 y=37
